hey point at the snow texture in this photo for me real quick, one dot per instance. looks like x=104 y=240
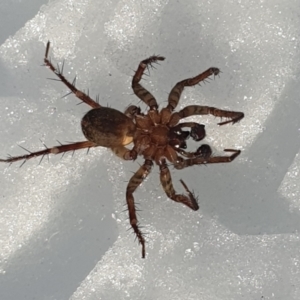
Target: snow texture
x=63 y=232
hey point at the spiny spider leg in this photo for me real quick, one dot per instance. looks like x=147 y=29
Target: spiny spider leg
x=59 y=73
x=203 y=151
x=185 y=153
x=138 y=89
x=134 y=182
x=192 y=110
x=53 y=150
x=124 y=153
x=132 y=111
x=184 y=163
x=176 y=91
x=166 y=181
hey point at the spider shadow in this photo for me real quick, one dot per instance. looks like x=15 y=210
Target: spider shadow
x=247 y=200
x=75 y=238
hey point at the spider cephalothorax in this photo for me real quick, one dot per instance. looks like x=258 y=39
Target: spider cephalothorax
x=157 y=135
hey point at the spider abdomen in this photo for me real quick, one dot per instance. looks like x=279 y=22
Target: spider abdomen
x=107 y=127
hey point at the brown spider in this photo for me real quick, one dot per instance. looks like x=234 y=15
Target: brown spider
x=156 y=135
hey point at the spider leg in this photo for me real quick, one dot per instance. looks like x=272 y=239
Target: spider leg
x=192 y=110
x=134 y=182
x=132 y=111
x=124 y=153
x=79 y=94
x=207 y=159
x=203 y=151
x=166 y=181
x=138 y=89
x=176 y=91
x=53 y=150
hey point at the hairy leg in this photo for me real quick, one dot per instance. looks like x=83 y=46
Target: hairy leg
x=166 y=181
x=175 y=93
x=53 y=150
x=125 y=153
x=59 y=73
x=206 y=159
x=192 y=110
x=138 y=89
x=132 y=111
x=133 y=184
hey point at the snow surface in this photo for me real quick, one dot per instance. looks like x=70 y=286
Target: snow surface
x=63 y=232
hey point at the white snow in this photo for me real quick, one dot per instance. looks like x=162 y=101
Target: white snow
x=63 y=232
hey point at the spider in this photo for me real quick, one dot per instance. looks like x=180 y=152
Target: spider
x=156 y=135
